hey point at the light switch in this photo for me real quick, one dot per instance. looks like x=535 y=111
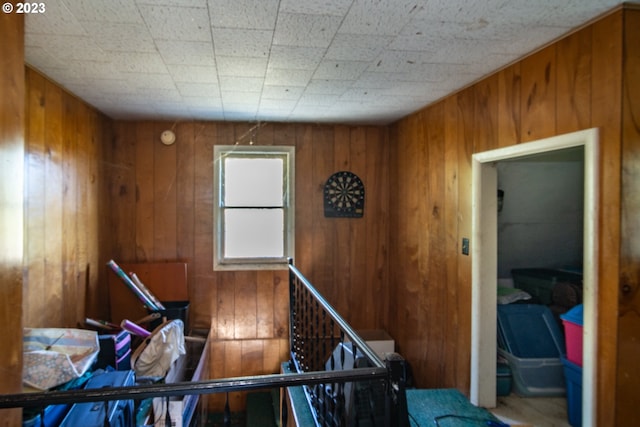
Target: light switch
x=465 y=246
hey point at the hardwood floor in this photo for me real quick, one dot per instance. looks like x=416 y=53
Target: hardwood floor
x=538 y=412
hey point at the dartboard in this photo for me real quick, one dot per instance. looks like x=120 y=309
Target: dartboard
x=344 y=195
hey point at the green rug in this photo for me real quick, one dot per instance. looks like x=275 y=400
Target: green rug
x=446 y=408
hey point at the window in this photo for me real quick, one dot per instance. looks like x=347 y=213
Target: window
x=254 y=207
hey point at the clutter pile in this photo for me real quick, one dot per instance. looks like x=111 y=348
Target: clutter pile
x=105 y=354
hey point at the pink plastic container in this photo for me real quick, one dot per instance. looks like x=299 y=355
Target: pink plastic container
x=572 y=321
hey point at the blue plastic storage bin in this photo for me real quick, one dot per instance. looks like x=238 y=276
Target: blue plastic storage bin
x=530 y=339
x=573 y=378
x=530 y=331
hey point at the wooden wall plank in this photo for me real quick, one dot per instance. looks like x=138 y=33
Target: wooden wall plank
x=486 y=114
x=376 y=229
x=574 y=81
x=265 y=304
x=322 y=269
x=358 y=239
x=538 y=101
x=102 y=247
x=628 y=375
x=233 y=368
x=452 y=376
x=245 y=314
x=217 y=363
x=165 y=210
x=122 y=195
x=464 y=142
x=252 y=356
x=53 y=196
x=272 y=355
x=12 y=161
x=340 y=234
x=281 y=306
x=436 y=302
x=35 y=293
x=509 y=126
x=605 y=115
x=85 y=233
x=304 y=185
x=205 y=289
x=144 y=192
x=69 y=245
x=185 y=195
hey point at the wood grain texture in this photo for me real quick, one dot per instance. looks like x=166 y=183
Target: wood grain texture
x=53 y=201
x=538 y=94
x=65 y=139
x=628 y=375
x=606 y=115
x=235 y=358
x=12 y=163
x=35 y=293
x=574 y=55
x=508 y=114
x=451 y=220
x=145 y=213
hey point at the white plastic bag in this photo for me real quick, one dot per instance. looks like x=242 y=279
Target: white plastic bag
x=155 y=356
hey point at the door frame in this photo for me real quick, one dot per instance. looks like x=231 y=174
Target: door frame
x=484 y=264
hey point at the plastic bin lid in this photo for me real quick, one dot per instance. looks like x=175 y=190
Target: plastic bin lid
x=529 y=331
x=574 y=315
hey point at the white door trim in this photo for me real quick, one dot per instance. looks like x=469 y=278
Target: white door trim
x=484 y=264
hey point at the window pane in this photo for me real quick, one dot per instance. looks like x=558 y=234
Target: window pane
x=253 y=182
x=254 y=233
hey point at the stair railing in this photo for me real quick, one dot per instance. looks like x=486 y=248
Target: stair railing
x=323 y=342
x=340 y=373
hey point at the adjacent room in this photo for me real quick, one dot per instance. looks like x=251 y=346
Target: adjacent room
x=286 y=192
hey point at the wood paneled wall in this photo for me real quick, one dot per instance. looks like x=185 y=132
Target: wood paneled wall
x=64 y=206
x=91 y=197
x=11 y=209
x=628 y=375
x=569 y=85
x=162 y=209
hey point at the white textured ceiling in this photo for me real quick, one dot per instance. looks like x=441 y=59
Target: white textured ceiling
x=337 y=61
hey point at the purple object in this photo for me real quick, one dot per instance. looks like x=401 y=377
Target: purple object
x=135 y=329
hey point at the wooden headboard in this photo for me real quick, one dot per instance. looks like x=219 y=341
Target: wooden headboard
x=166 y=280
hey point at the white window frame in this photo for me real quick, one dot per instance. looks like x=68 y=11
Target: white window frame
x=287 y=153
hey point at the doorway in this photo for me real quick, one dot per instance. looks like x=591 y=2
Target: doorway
x=485 y=262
